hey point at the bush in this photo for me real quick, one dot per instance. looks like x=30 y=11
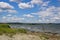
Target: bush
x=44 y=37
x=5 y=29
x=4 y=26
x=22 y=30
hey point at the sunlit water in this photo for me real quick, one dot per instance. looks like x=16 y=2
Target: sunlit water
x=54 y=28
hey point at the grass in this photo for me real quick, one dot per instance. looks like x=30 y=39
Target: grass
x=5 y=29
x=44 y=37
x=4 y=26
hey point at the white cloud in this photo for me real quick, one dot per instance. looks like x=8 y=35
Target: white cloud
x=44 y=21
x=28 y=15
x=36 y=2
x=51 y=14
x=11 y=11
x=48 y=12
x=25 y=5
x=17 y=18
x=18 y=1
x=30 y=4
x=9 y=15
x=8 y=11
x=12 y=19
x=56 y=18
x=4 y=17
x=12 y=0
x=40 y=2
x=1 y=10
x=32 y=1
x=45 y=3
x=5 y=5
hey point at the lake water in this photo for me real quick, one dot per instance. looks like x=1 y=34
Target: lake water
x=54 y=28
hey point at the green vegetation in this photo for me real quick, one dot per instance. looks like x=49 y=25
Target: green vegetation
x=44 y=37
x=4 y=26
x=5 y=29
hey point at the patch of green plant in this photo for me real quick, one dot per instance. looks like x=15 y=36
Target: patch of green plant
x=44 y=37
x=4 y=26
x=5 y=29
x=22 y=30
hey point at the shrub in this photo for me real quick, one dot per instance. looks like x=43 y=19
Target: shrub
x=5 y=29
x=4 y=26
x=22 y=30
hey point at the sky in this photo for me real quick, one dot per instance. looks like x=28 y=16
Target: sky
x=30 y=11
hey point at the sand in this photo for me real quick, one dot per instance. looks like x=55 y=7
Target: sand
x=25 y=37
x=20 y=37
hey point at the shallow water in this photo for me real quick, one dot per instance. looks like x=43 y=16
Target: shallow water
x=54 y=28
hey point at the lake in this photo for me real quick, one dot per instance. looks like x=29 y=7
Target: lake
x=54 y=28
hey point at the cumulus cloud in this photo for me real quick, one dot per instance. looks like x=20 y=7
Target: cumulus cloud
x=28 y=15
x=1 y=10
x=56 y=18
x=17 y=1
x=45 y=3
x=48 y=12
x=40 y=2
x=36 y=2
x=51 y=14
x=25 y=5
x=22 y=5
x=12 y=19
x=8 y=11
x=30 y=4
x=11 y=11
x=9 y=15
x=4 y=5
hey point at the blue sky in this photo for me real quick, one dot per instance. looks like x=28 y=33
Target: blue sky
x=30 y=11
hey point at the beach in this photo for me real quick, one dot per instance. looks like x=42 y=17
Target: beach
x=22 y=36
